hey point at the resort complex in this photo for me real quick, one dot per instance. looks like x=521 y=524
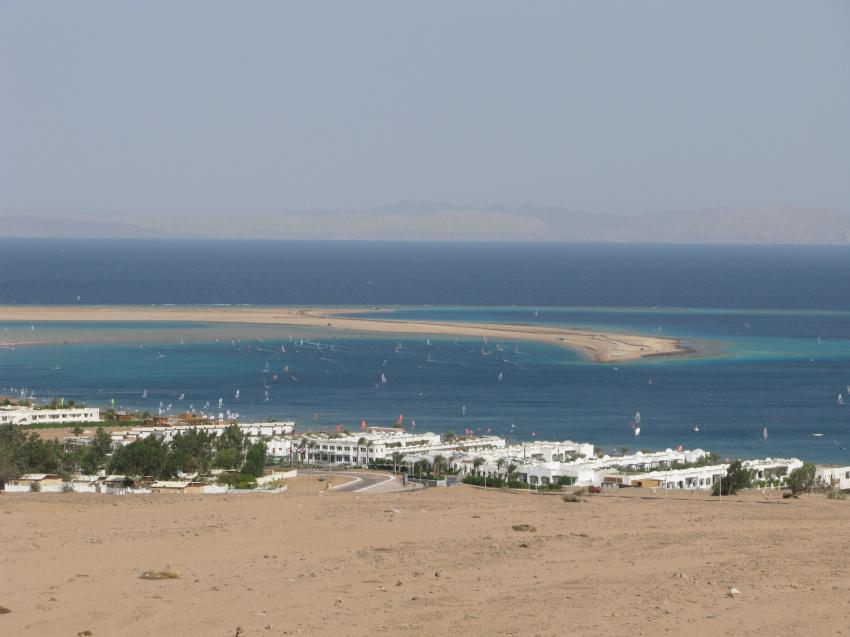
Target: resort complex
x=421 y=458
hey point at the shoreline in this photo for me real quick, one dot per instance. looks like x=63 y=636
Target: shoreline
x=599 y=346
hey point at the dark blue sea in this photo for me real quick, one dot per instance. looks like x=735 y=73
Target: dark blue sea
x=771 y=325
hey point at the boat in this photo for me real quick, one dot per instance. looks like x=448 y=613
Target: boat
x=181 y=396
x=383 y=379
x=696 y=428
x=236 y=396
x=817 y=435
x=159 y=354
x=501 y=376
x=145 y=393
x=220 y=402
x=637 y=432
x=637 y=418
x=764 y=433
x=840 y=399
x=463 y=410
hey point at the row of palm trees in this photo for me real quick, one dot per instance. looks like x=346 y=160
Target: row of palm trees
x=501 y=463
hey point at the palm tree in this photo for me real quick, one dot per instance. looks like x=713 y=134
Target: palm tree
x=397 y=457
x=511 y=471
x=499 y=464
x=438 y=462
x=476 y=463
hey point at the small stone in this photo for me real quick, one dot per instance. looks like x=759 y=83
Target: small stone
x=437 y=574
x=733 y=592
x=398 y=583
x=338 y=602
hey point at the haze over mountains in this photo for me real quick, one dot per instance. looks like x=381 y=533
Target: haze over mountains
x=440 y=221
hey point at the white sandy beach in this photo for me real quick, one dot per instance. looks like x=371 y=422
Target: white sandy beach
x=599 y=346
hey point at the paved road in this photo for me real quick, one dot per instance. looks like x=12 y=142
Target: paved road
x=362 y=481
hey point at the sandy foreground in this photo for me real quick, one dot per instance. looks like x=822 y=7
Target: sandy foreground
x=432 y=562
x=595 y=345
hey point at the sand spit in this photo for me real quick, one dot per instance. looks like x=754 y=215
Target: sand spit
x=600 y=346
x=432 y=562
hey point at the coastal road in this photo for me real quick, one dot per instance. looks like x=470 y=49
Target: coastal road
x=362 y=481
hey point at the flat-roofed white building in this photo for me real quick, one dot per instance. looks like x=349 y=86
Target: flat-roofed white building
x=254 y=431
x=34 y=416
x=772 y=471
x=833 y=476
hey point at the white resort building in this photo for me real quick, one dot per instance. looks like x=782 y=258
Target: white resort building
x=35 y=416
x=253 y=431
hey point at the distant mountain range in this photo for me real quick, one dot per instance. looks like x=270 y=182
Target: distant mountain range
x=438 y=221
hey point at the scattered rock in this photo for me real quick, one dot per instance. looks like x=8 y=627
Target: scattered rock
x=523 y=545
x=733 y=592
x=437 y=574
x=4 y=610
x=524 y=528
x=398 y=583
x=680 y=576
x=338 y=602
x=155 y=575
x=84 y=633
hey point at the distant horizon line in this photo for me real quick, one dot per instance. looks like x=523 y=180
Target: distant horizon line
x=588 y=242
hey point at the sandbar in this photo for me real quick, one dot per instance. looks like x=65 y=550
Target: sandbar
x=599 y=346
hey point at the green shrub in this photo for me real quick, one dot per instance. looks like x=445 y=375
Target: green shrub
x=481 y=481
x=835 y=494
x=737 y=477
x=802 y=479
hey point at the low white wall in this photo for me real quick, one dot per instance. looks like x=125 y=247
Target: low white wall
x=17 y=488
x=278 y=475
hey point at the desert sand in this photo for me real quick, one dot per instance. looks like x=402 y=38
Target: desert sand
x=431 y=562
x=595 y=345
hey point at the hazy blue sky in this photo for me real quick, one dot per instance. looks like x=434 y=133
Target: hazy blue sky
x=220 y=108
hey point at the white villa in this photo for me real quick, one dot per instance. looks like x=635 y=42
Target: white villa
x=33 y=416
x=834 y=476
